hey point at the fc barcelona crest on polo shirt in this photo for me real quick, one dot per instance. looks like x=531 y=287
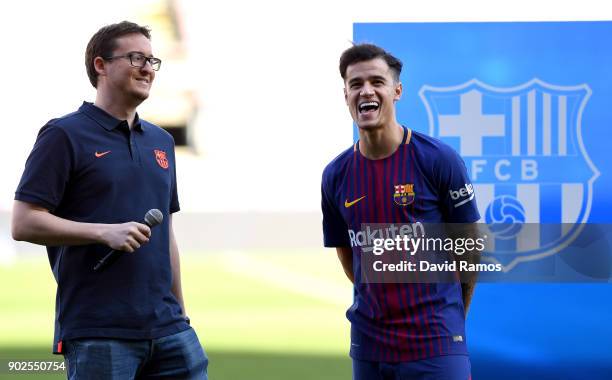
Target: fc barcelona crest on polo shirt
x=404 y=194
x=160 y=156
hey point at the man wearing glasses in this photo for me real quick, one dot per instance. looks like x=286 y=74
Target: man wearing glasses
x=89 y=180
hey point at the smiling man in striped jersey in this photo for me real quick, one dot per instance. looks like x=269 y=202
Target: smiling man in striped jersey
x=395 y=175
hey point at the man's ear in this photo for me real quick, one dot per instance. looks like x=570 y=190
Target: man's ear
x=398 y=91
x=100 y=66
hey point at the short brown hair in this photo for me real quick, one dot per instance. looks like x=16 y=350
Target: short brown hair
x=104 y=42
x=365 y=52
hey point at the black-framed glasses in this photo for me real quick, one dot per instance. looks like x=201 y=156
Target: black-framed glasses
x=139 y=60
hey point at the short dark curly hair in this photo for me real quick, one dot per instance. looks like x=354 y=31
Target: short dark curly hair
x=365 y=52
x=104 y=42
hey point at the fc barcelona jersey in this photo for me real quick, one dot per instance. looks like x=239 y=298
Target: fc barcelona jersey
x=425 y=181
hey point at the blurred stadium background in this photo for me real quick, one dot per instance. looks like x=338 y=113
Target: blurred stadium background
x=251 y=93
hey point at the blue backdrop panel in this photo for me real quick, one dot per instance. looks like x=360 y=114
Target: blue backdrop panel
x=527 y=105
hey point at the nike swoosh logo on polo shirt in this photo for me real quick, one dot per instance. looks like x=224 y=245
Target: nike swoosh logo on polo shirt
x=348 y=204
x=98 y=155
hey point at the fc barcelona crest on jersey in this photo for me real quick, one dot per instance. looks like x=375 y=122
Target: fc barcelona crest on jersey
x=160 y=156
x=404 y=194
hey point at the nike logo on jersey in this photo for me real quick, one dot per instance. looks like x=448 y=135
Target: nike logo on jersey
x=98 y=155
x=348 y=204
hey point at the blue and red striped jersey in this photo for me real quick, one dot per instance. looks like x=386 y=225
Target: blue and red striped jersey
x=396 y=322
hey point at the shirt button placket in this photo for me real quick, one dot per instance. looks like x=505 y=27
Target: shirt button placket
x=134 y=148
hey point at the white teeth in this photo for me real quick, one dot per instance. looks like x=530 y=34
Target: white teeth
x=368 y=105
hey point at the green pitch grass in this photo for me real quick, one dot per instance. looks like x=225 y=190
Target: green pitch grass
x=258 y=316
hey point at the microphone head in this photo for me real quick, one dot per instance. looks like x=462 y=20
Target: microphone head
x=153 y=217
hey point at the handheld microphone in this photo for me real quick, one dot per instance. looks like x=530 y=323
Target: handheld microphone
x=152 y=218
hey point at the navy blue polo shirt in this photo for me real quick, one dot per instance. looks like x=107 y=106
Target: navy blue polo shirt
x=90 y=167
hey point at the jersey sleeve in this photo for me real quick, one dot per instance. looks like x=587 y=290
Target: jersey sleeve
x=174 y=201
x=335 y=230
x=47 y=170
x=456 y=191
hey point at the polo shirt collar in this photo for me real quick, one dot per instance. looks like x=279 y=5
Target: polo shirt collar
x=106 y=120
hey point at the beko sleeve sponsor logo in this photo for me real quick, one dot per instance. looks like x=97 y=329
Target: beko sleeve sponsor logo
x=465 y=191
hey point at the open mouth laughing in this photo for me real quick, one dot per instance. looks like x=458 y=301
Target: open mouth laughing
x=368 y=107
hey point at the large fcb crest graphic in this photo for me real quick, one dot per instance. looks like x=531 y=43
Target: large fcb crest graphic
x=523 y=149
